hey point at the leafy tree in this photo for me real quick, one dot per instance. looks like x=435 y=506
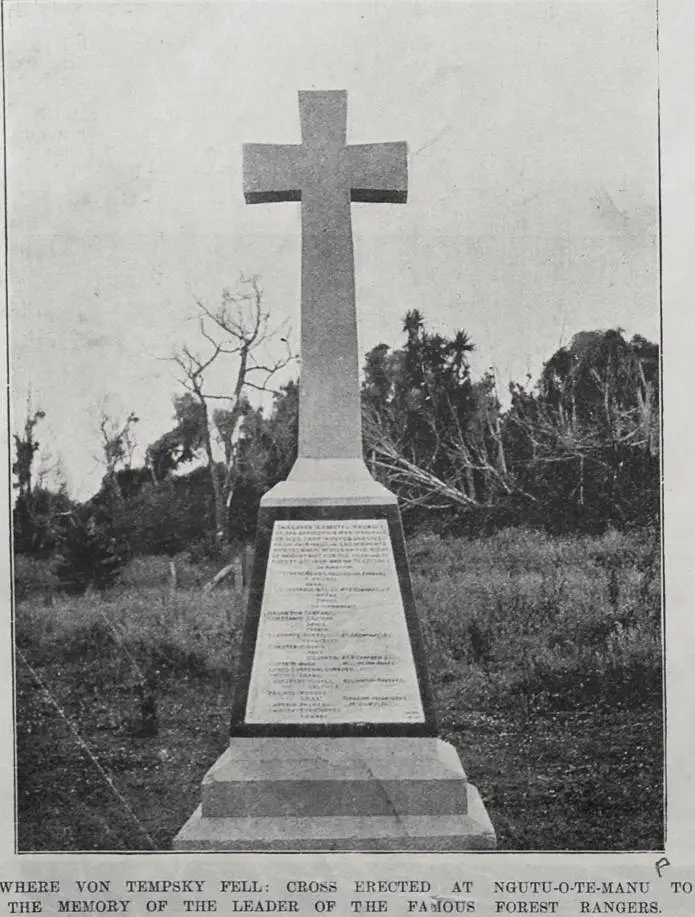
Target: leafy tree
x=26 y=447
x=266 y=452
x=35 y=520
x=93 y=540
x=268 y=447
x=36 y=506
x=181 y=444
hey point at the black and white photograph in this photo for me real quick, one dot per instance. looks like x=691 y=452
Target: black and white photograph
x=335 y=432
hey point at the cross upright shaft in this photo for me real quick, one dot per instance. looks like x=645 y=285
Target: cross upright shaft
x=326 y=175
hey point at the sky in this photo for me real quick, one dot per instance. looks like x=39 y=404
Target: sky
x=532 y=211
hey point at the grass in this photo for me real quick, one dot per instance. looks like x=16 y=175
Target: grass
x=545 y=658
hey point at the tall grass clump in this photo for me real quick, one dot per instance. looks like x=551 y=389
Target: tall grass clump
x=179 y=630
x=543 y=622
x=134 y=639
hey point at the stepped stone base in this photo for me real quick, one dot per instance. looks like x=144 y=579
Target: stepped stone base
x=350 y=794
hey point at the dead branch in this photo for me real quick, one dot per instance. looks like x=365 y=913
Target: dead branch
x=219 y=577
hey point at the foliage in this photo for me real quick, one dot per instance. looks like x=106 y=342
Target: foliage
x=431 y=432
x=266 y=451
x=35 y=519
x=169 y=516
x=182 y=443
x=36 y=508
x=118 y=441
x=26 y=447
x=268 y=447
x=92 y=548
x=176 y=513
x=579 y=452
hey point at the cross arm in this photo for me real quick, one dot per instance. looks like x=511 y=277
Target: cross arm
x=378 y=172
x=272 y=172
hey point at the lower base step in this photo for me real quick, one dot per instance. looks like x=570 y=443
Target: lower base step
x=429 y=833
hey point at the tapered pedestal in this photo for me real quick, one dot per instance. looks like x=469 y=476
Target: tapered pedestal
x=334 y=737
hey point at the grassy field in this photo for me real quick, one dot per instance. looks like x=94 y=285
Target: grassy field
x=545 y=658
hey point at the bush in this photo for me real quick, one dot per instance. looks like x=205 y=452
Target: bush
x=166 y=518
x=91 y=552
x=34 y=520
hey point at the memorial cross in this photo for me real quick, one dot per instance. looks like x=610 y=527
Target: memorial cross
x=325 y=174
x=333 y=740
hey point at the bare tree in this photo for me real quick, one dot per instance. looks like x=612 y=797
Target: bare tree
x=239 y=330
x=418 y=484
x=118 y=444
x=118 y=441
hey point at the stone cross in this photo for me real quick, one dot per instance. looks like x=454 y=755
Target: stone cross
x=326 y=175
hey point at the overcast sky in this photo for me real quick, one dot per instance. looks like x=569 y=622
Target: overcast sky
x=532 y=209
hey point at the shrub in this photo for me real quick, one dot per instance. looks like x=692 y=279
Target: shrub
x=91 y=552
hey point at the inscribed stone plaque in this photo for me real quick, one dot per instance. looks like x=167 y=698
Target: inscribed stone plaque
x=332 y=643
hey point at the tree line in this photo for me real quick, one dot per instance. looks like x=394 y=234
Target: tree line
x=576 y=451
